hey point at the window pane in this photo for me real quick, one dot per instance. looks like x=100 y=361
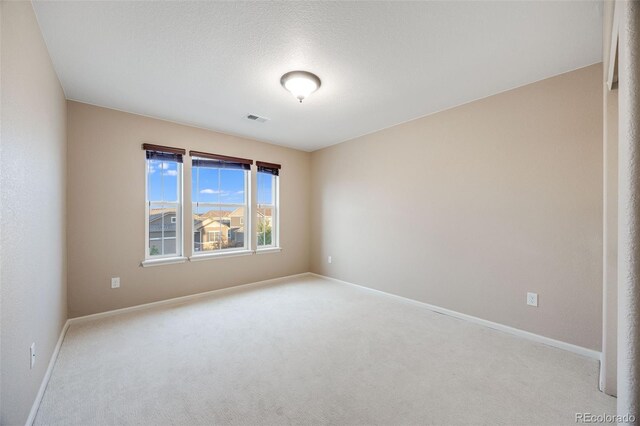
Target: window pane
x=204 y=185
x=265 y=226
x=163 y=224
x=265 y=188
x=232 y=186
x=162 y=180
x=206 y=221
x=266 y=210
x=237 y=230
x=211 y=185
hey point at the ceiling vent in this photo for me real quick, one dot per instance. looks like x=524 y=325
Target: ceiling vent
x=257 y=118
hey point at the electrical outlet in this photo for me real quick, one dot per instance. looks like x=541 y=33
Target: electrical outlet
x=32 y=354
x=115 y=282
x=329 y=259
x=532 y=299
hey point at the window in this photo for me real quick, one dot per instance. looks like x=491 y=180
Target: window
x=267 y=214
x=163 y=202
x=220 y=200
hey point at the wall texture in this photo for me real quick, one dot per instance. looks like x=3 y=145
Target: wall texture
x=33 y=178
x=106 y=169
x=608 y=372
x=472 y=207
x=628 y=364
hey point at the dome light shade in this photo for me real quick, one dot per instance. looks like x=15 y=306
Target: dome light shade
x=300 y=83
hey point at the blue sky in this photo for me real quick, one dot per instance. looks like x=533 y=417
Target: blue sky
x=265 y=183
x=217 y=185
x=162 y=180
x=207 y=185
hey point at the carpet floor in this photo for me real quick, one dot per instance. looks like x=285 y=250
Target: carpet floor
x=310 y=351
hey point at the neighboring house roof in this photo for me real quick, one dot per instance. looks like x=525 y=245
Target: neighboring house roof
x=239 y=212
x=198 y=223
x=158 y=211
x=264 y=212
x=216 y=214
x=209 y=225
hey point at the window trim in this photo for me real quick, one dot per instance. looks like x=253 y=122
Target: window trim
x=202 y=255
x=275 y=217
x=267 y=250
x=163 y=261
x=234 y=252
x=223 y=158
x=177 y=257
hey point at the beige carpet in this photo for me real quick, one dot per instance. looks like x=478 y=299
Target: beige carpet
x=310 y=351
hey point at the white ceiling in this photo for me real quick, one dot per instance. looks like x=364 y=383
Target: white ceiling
x=210 y=64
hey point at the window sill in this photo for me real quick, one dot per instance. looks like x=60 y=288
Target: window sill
x=163 y=261
x=207 y=256
x=269 y=250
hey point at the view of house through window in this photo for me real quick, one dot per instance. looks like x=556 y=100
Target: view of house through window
x=163 y=204
x=221 y=212
x=220 y=206
x=267 y=181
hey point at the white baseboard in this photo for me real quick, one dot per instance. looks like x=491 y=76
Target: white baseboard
x=47 y=376
x=180 y=299
x=590 y=353
x=496 y=326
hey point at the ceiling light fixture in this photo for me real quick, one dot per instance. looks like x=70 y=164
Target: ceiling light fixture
x=300 y=83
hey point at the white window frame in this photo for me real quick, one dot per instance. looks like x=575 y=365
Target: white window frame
x=178 y=205
x=275 y=214
x=203 y=254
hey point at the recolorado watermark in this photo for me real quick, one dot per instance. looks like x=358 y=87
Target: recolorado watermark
x=604 y=418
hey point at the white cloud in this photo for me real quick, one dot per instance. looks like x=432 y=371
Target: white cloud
x=240 y=192
x=157 y=165
x=213 y=191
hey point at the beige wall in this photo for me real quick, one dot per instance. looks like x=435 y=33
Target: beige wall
x=608 y=372
x=33 y=177
x=106 y=170
x=481 y=203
